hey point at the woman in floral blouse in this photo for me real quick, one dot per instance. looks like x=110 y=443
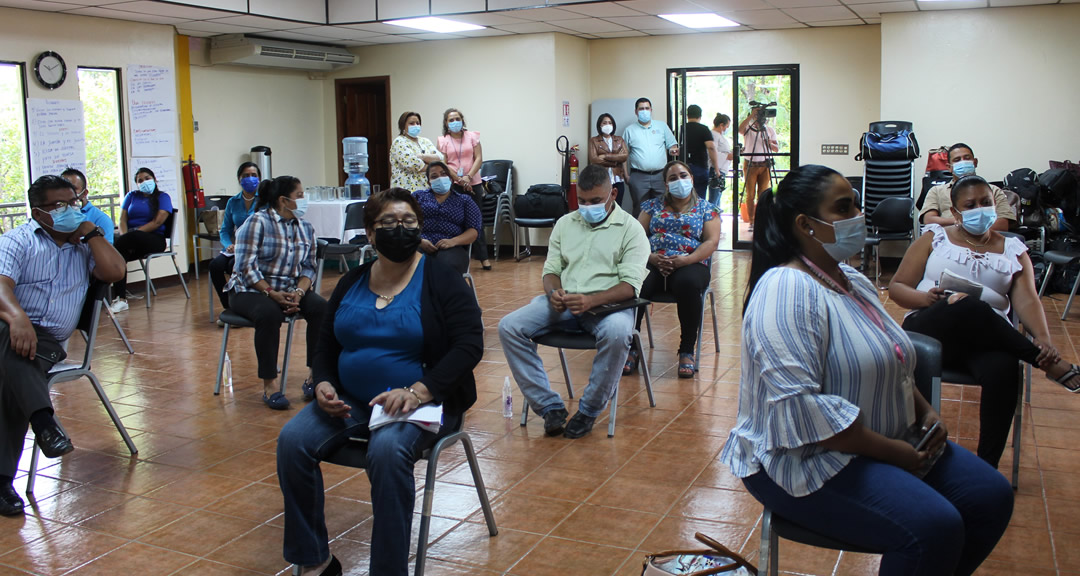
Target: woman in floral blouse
x=410 y=154
x=683 y=232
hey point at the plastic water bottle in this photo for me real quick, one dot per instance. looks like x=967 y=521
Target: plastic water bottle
x=227 y=376
x=355 y=161
x=508 y=399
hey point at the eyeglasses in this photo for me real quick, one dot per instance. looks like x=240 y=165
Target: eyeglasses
x=409 y=222
x=74 y=203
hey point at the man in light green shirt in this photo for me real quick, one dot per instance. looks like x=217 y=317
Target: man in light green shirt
x=596 y=256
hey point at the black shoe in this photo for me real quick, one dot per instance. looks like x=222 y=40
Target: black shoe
x=333 y=569
x=10 y=503
x=555 y=421
x=52 y=441
x=579 y=426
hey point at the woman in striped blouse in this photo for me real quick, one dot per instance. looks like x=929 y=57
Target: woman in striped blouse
x=828 y=410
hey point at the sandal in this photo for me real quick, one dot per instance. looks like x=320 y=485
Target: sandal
x=276 y=401
x=308 y=388
x=686 y=366
x=1073 y=371
x=631 y=363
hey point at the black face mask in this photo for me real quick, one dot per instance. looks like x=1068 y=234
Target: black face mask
x=398 y=244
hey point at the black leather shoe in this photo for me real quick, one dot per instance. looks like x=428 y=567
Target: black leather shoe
x=10 y=503
x=579 y=426
x=53 y=442
x=333 y=569
x=555 y=421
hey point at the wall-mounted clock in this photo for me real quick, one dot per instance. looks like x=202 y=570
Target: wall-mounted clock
x=50 y=70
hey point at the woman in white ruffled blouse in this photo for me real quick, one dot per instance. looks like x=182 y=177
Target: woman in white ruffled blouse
x=977 y=335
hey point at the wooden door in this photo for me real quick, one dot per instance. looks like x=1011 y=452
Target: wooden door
x=363 y=109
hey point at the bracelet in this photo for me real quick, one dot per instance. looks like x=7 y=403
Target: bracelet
x=300 y=292
x=413 y=392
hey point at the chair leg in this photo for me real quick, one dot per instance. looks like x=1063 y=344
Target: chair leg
x=1072 y=295
x=1046 y=279
x=715 y=328
x=1018 y=421
x=119 y=330
x=195 y=251
x=478 y=481
x=288 y=350
x=566 y=373
x=648 y=326
x=183 y=283
x=146 y=278
x=221 y=358
x=524 y=411
x=700 y=332
x=210 y=298
x=644 y=368
x=769 y=555
x=112 y=413
x=32 y=477
x=614 y=400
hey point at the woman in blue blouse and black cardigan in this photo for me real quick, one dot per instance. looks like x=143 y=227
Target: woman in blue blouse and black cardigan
x=828 y=412
x=400 y=332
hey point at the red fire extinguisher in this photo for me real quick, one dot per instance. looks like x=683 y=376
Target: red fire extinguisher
x=569 y=171
x=571 y=196
x=192 y=174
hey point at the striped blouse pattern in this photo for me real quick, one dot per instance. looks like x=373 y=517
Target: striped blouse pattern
x=812 y=362
x=271 y=248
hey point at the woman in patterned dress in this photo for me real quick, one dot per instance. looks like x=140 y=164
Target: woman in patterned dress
x=410 y=154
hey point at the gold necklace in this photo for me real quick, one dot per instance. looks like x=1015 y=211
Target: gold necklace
x=965 y=235
x=388 y=299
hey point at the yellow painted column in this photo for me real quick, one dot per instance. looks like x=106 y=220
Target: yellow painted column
x=187 y=123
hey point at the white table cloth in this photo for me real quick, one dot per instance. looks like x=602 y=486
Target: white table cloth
x=328 y=216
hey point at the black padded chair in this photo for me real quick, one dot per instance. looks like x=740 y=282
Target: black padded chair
x=354 y=220
x=96 y=299
x=527 y=223
x=210 y=236
x=669 y=298
x=773 y=526
x=1064 y=259
x=891 y=220
x=503 y=171
x=170 y=251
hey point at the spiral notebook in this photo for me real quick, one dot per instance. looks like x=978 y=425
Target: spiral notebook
x=427 y=416
x=952 y=282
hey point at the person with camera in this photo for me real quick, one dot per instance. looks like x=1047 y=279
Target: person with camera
x=700 y=149
x=650 y=142
x=759 y=142
x=937 y=207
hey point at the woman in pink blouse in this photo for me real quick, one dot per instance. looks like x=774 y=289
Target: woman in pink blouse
x=461 y=147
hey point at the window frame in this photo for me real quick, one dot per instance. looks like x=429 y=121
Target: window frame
x=121 y=103
x=26 y=122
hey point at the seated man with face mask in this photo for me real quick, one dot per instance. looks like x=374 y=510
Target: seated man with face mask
x=452 y=220
x=936 y=207
x=596 y=255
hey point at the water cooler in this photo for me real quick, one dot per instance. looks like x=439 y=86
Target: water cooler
x=260 y=156
x=355 y=157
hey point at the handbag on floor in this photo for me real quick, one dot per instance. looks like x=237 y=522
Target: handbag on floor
x=715 y=560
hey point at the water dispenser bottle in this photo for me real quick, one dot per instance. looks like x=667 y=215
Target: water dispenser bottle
x=355 y=157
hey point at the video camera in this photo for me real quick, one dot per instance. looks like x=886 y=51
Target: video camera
x=763 y=111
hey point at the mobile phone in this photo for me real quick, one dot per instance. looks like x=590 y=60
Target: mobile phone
x=926 y=437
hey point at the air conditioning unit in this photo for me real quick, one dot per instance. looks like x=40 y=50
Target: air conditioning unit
x=246 y=50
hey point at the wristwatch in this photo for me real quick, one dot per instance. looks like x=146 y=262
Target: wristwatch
x=96 y=232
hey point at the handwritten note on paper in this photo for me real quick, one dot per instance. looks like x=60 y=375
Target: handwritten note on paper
x=152 y=108
x=57 y=138
x=166 y=173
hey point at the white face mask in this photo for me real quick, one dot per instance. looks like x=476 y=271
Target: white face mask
x=607 y=128
x=850 y=237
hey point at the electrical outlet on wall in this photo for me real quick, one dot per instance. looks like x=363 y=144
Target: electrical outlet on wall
x=834 y=149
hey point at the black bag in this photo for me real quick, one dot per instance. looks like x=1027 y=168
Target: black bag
x=541 y=201
x=1025 y=183
x=900 y=145
x=1060 y=189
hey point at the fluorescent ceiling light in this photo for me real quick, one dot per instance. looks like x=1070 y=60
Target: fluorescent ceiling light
x=706 y=20
x=433 y=24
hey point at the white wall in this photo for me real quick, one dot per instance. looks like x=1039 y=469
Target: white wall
x=238 y=107
x=1002 y=80
x=839 y=71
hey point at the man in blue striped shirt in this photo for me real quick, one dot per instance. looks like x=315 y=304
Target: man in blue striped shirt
x=45 y=266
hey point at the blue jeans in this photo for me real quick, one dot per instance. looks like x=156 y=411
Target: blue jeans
x=310 y=437
x=613 y=335
x=947 y=523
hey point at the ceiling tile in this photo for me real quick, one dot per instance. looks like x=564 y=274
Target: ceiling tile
x=730 y=5
x=174 y=10
x=356 y=43
x=846 y=22
x=543 y=14
x=233 y=5
x=132 y=16
x=602 y=9
x=294 y=37
x=1001 y=3
x=389 y=39
x=395 y=9
x=820 y=14
x=260 y=22
x=781 y=26
x=338 y=32
x=875 y=10
x=37 y=5
x=308 y=11
x=663 y=6
x=456 y=6
x=872 y=20
x=378 y=27
x=669 y=32
x=510 y=4
x=215 y=27
x=646 y=23
x=350 y=10
x=194 y=33
x=801 y=3
x=759 y=18
x=627 y=34
x=853 y=2
x=953 y=5
x=482 y=19
x=484 y=32
x=94 y=2
x=433 y=36
x=531 y=28
x=592 y=25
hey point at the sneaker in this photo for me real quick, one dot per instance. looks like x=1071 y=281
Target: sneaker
x=118 y=305
x=555 y=421
x=579 y=426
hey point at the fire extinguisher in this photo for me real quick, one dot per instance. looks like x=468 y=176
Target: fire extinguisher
x=570 y=170
x=192 y=174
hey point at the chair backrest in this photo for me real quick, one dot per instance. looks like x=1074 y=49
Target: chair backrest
x=169 y=221
x=893 y=215
x=927 y=367
x=320 y=255
x=96 y=296
x=354 y=217
x=212 y=202
x=890 y=126
x=501 y=169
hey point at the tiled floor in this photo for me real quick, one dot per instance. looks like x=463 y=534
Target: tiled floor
x=202 y=497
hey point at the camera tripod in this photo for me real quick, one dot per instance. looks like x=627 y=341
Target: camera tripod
x=761 y=151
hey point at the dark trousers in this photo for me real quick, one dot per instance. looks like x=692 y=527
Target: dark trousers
x=480 y=247
x=620 y=191
x=701 y=179
x=221 y=267
x=133 y=246
x=687 y=284
x=456 y=258
x=24 y=389
x=945 y=524
x=268 y=317
x=976 y=340
x=312 y=436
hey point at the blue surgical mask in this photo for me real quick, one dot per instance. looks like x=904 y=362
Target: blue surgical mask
x=644 y=116
x=67 y=219
x=594 y=213
x=249 y=183
x=680 y=188
x=147 y=186
x=963 y=168
x=850 y=237
x=455 y=126
x=441 y=185
x=978 y=220
x=301 y=207
x=414 y=130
